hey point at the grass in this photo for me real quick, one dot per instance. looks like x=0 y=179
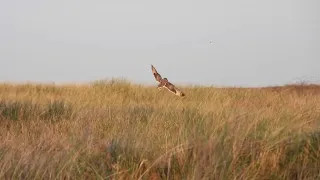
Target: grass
x=119 y=130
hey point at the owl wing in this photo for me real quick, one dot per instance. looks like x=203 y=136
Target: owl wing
x=156 y=75
x=172 y=88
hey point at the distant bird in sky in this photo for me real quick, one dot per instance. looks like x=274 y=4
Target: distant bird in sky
x=163 y=82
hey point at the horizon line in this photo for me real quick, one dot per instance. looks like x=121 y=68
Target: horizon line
x=126 y=80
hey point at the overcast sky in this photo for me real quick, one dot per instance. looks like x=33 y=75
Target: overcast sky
x=254 y=43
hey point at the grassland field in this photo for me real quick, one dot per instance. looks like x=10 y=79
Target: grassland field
x=120 y=130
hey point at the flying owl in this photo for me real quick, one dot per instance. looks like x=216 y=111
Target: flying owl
x=164 y=83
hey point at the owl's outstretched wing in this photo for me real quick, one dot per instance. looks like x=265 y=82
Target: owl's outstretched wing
x=172 y=88
x=156 y=75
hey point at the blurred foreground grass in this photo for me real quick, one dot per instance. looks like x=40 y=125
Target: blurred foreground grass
x=118 y=130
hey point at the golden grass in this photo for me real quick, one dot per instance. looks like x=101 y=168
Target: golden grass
x=119 y=130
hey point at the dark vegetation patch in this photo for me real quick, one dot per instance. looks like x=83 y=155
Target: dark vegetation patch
x=27 y=110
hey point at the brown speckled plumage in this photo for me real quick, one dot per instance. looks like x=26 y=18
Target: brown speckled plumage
x=163 y=82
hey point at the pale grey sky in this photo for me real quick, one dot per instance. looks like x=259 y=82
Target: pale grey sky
x=254 y=43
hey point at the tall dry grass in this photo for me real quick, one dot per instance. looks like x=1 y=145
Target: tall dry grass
x=118 y=130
